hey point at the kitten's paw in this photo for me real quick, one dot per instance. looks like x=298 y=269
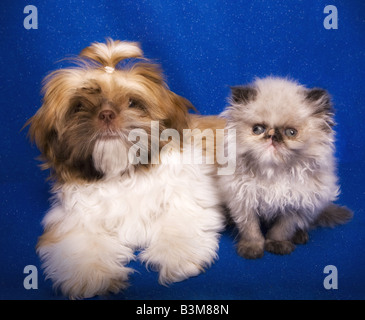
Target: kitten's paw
x=279 y=247
x=250 y=249
x=300 y=237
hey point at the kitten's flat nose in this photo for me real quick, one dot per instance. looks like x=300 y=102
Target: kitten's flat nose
x=271 y=132
x=274 y=134
x=107 y=115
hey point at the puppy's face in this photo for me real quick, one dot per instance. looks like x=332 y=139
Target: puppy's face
x=86 y=108
x=280 y=123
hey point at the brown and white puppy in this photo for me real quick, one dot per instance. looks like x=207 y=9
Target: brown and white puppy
x=285 y=174
x=97 y=121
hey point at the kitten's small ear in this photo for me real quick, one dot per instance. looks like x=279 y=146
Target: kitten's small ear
x=243 y=94
x=320 y=100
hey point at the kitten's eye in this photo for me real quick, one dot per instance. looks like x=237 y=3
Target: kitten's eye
x=258 y=129
x=290 y=132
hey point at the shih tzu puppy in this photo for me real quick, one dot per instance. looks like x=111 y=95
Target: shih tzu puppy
x=285 y=180
x=106 y=203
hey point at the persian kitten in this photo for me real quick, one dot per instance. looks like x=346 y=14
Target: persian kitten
x=285 y=180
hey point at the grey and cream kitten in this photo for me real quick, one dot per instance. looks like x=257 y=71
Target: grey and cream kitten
x=285 y=176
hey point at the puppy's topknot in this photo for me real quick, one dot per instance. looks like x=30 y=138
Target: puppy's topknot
x=109 y=54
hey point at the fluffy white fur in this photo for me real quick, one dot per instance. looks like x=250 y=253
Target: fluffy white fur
x=289 y=182
x=170 y=212
x=105 y=205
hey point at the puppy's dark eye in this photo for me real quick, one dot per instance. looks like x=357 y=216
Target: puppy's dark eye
x=133 y=103
x=290 y=132
x=258 y=129
x=136 y=104
x=78 y=107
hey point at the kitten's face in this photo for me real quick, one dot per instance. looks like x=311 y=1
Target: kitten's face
x=280 y=123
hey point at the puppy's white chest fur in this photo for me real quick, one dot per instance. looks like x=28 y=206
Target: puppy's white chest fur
x=131 y=206
x=124 y=206
x=169 y=211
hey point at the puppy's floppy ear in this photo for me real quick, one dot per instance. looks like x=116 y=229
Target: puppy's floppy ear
x=42 y=131
x=243 y=94
x=178 y=117
x=174 y=106
x=320 y=101
x=44 y=126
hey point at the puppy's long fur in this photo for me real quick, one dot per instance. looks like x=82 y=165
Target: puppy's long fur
x=285 y=175
x=105 y=207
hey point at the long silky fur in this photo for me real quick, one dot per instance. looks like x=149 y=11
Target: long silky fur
x=105 y=207
x=298 y=180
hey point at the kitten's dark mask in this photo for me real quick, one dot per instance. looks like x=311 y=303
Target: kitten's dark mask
x=243 y=94
x=320 y=101
x=317 y=98
x=281 y=140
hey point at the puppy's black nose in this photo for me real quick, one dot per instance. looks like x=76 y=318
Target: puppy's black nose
x=107 y=115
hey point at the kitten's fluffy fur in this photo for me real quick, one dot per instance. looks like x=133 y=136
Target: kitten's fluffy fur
x=285 y=175
x=104 y=207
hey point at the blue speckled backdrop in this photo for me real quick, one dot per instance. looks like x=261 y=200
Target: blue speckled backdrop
x=203 y=47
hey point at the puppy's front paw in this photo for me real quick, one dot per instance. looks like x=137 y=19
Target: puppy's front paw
x=173 y=266
x=279 y=247
x=178 y=272
x=250 y=249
